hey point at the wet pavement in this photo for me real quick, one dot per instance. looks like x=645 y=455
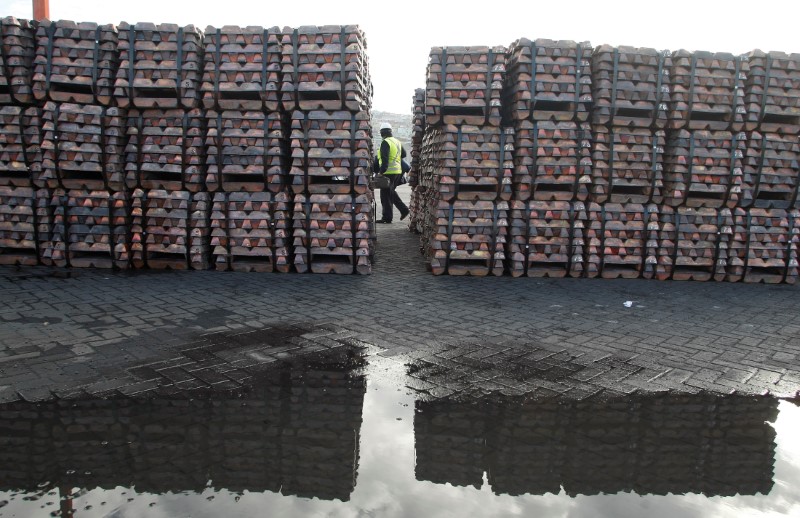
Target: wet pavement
x=396 y=394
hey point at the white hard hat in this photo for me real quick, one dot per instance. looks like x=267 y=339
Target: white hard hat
x=385 y=125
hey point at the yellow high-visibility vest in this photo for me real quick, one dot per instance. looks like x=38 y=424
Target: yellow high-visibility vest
x=395 y=150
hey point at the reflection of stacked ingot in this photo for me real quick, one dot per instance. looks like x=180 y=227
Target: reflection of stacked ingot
x=325 y=68
x=75 y=62
x=250 y=231
x=764 y=245
x=715 y=445
x=295 y=430
x=16 y=60
x=241 y=68
x=631 y=87
x=170 y=229
x=546 y=238
x=160 y=66
x=707 y=91
x=621 y=240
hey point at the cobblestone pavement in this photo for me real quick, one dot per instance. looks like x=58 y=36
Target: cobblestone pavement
x=67 y=332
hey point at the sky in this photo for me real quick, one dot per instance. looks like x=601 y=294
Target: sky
x=401 y=34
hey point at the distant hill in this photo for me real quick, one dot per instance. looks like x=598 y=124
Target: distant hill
x=401 y=127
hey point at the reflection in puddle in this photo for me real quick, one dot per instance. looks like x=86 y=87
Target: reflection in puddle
x=328 y=437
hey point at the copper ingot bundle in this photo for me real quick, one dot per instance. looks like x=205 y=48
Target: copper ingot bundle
x=333 y=233
x=467 y=237
x=771 y=171
x=165 y=150
x=472 y=162
x=170 y=229
x=703 y=168
x=417 y=135
x=18 y=241
x=630 y=86
x=250 y=231
x=86 y=229
x=20 y=145
x=708 y=91
x=693 y=243
x=81 y=147
x=464 y=85
x=16 y=60
x=552 y=161
x=325 y=68
x=242 y=68
x=772 y=92
x=75 y=62
x=621 y=240
x=331 y=152
x=545 y=238
x=246 y=151
x=160 y=66
x=548 y=80
x=764 y=245
x=627 y=164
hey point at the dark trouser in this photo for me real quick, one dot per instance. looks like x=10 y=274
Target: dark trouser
x=389 y=197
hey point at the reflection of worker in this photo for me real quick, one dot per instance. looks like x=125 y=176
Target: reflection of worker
x=389 y=162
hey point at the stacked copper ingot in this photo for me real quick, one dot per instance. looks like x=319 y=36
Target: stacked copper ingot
x=630 y=86
x=331 y=152
x=548 y=80
x=417 y=135
x=464 y=85
x=170 y=229
x=707 y=91
x=764 y=245
x=552 y=160
x=466 y=181
x=88 y=229
x=75 y=62
x=160 y=66
x=628 y=164
x=246 y=151
x=16 y=60
x=703 y=168
x=467 y=237
x=165 y=150
x=771 y=171
x=473 y=162
x=772 y=92
x=621 y=240
x=693 y=243
x=325 y=68
x=20 y=142
x=333 y=233
x=546 y=238
x=250 y=231
x=242 y=68
x=81 y=147
x=18 y=240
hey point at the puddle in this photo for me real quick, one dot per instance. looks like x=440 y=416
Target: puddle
x=335 y=438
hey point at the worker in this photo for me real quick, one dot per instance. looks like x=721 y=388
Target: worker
x=390 y=158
